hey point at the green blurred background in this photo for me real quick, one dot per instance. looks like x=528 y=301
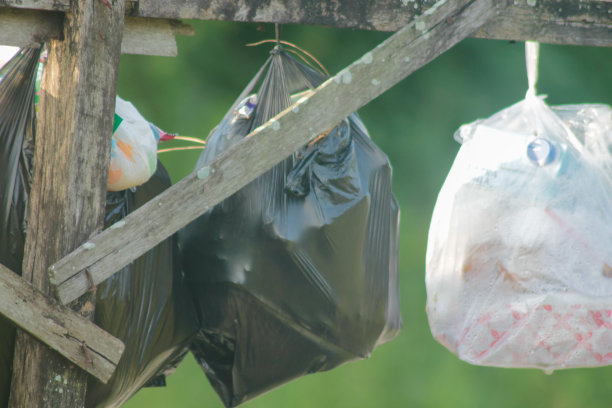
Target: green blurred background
x=413 y=123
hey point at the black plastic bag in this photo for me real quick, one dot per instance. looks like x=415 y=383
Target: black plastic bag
x=297 y=272
x=146 y=305
x=17 y=80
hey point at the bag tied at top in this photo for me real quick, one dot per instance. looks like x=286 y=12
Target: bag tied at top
x=519 y=255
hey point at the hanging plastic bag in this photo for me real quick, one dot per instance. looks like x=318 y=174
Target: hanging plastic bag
x=17 y=78
x=146 y=305
x=133 y=148
x=519 y=258
x=297 y=272
x=133 y=144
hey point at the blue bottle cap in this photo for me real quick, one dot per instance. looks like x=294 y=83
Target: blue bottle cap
x=541 y=152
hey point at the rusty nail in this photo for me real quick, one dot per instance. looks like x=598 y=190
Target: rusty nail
x=85 y=350
x=92 y=286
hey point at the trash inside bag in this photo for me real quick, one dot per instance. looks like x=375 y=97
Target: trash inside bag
x=297 y=272
x=519 y=259
x=146 y=305
x=17 y=79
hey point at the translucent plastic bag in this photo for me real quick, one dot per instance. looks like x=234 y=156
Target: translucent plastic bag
x=134 y=140
x=133 y=148
x=519 y=257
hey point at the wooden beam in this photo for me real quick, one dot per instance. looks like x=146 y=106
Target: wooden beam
x=151 y=36
x=68 y=192
x=584 y=22
x=60 y=5
x=26 y=28
x=65 y=331
x=412 y=47
x=555 y=22
x=145 y=36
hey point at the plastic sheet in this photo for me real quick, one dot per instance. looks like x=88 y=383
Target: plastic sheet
x=17 y=79
x=146 y=305
x=297 y=272
x=519 y=266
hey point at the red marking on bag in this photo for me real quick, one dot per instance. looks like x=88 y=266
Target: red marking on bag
x=562 y=321
x=597 y=316
x=603 y=359
x=496 y=336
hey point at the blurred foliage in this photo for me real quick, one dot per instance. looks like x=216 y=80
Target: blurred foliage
x=414 y=123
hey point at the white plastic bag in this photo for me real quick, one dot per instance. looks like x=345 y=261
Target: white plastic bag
x=133 y=148
x=519 y=255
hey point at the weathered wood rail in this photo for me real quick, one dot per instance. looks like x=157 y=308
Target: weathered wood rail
x=585 y=22
x=554 y=21
x=148 y=36
x=76 y=109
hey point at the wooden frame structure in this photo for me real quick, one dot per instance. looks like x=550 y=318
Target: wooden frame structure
x=65 y=249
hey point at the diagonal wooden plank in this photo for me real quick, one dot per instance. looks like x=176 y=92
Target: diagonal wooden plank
x=430 y=35
x=65 y=331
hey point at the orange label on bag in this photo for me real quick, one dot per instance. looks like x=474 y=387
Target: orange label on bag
x=113 y=176
x=126 y=149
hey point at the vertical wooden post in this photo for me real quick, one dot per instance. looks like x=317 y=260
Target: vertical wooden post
x=70 y=172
